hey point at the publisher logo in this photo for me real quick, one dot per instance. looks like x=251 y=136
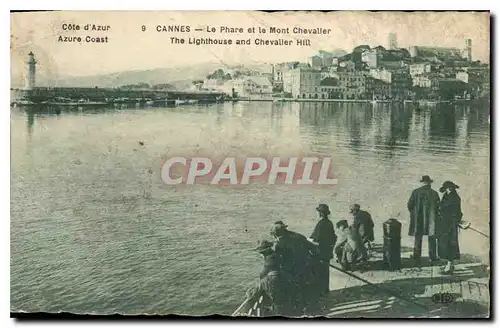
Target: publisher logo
x=233 y=171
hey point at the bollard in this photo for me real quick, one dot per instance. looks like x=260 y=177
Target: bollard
x=392 y=244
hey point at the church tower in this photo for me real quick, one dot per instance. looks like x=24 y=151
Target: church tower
x=468 y=49
x=393 y=41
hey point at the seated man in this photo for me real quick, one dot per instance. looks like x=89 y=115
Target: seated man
x=274 y=282
x=348 y=249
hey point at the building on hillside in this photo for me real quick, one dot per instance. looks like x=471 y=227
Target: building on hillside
x=335 y=63
x=420 y=69
x=401 y=84
x=441 y=53
x=316 y=62
x=381 y=74
x=422 y=81
x=352 y=82
x=278 y=71
x=394 y=65
x=449 y=88
x=329 y=72
x=371 y=58
x=357 y=55
x=326 y=58
x=303 y=82
x=477 y=84
x=251 y=86
x=377 y=89
x=213 y=84
x=399 y=79
x=330 y=88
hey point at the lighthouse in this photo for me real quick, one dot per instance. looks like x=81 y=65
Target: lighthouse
x=30 y=81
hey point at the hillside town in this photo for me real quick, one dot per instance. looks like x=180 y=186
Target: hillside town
x=379 y=73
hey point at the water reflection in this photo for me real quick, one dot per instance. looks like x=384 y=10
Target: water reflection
x=386 y=129
x=392 y=128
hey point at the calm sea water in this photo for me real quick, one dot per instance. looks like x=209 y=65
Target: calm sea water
x=93 y=229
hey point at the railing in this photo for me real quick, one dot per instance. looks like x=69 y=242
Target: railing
x=252 y=307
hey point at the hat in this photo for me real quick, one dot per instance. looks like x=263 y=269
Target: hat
x=281 y=223
x=278 y=229
x=446 y=185
x=323 y=208
x=354 y=207
x=263 y=246
x=426 y=178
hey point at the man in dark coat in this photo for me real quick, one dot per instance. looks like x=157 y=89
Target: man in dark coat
x=273 y=283
x=451 y=216
x=298 y=257
x=324 y=236
x=363 y=225
x=424 y=215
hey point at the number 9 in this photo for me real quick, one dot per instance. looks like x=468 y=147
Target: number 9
x=143 y=28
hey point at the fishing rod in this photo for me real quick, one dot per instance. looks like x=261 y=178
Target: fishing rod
x=479 y=232
x=379 y=287
x=467 y=225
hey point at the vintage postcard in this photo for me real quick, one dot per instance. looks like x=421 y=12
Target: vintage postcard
x=292 y=164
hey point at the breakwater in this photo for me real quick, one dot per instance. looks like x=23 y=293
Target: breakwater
x=62 y=95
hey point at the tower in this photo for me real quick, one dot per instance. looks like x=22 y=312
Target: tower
x=468 y=49
x=393 y=41
x=31 y=79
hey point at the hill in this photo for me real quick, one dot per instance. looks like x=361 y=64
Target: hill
x=179 y=77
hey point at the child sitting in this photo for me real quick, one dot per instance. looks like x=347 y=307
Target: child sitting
x=347 y=250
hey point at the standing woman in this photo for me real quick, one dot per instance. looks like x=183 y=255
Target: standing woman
x=324 y=236
x=451 y=215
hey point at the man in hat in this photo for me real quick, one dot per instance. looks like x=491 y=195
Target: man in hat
x=274 y=283
x=363 y=226
x=297 y=256
x=324 y=236
x=423 y=206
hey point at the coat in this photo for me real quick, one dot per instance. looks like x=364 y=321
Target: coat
x=451 y=214
x=271 y=263
x=424 y=211
x=293 y=251
x=275 y=287
x=348 y=246
x=363 y=223
x=324 y=235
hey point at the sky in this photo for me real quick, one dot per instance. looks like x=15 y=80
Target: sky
x=131 y=48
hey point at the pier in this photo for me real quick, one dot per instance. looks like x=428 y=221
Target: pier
x=103 y=96
x=411 y=292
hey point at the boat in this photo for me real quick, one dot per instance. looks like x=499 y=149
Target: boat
x=22 y=102
x=179 y=102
